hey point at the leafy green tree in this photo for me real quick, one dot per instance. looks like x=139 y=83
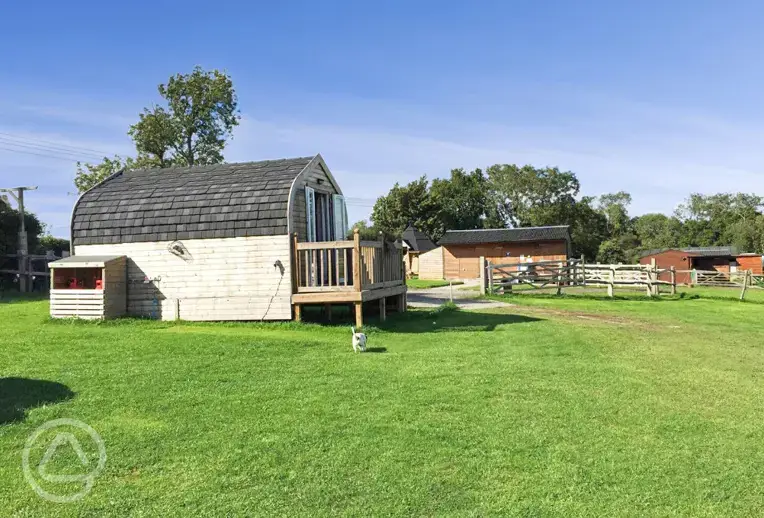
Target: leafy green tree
x=9 y=229
x=615 y=207
x=527 y=196
x=461 y=199
x=588 y=228
x=364 y=230
x=56 y=244
x=192 y=129
x=89 y=175
x=657 y=231
x=406 y=205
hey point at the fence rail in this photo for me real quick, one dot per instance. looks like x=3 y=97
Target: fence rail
x=347 y=265
x=572 y=273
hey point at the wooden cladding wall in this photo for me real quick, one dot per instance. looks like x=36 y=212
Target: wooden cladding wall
x=463 y=261
x=750 y=262
x=245 y=278
x=431 y=264
x=298 y=209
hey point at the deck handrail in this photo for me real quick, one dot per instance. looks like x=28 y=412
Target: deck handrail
x=347 y=265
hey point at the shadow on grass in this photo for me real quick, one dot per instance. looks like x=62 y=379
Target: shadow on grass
x=17 y=395
x=449 y=320
x=14 y=297
x=376 y=349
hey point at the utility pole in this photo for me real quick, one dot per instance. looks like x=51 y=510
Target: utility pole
x=23 y=251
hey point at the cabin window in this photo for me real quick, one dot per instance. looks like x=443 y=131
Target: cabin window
x=77 y=279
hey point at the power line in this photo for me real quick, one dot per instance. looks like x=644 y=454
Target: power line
x=57 y=157
x=53 y=144
x=43 y=148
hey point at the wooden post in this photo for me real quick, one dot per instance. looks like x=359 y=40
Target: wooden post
x=489 y=273
x=357 y=263
x=745 y=285
x=295 y=264
x=358 y=315
x=583 y=270
x=693 y=277
x=328 y=312
x=611 y=284
x=673 y=280
x=297 y=313
x=482 y=275
x=654 y=289
x=563 y=268
x=383 y=309
x=383 y=259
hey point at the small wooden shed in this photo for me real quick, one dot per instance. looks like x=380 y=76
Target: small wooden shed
x=93 y=287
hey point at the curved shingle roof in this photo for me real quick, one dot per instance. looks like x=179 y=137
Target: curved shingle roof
x=215 y=201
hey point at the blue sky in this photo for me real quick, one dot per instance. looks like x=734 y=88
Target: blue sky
x=656 y=98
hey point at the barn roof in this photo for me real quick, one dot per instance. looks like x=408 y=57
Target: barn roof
x=505 y=235
x=213 y=201
x=699 y=251
x=417 y=240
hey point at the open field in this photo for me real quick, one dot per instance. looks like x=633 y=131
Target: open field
x=555 y=407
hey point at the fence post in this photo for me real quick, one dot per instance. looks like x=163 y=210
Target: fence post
x=357 y=260
x=611 y=284
x=563 y=268
x=673 y=280
x=490 y=278
x=583 y=271
x=745 y=285
x=693 y=277
x=482 y=275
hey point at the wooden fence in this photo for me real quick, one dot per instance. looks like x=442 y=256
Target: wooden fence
x=501 y=278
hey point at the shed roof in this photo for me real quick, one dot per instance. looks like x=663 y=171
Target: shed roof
x=213 y=201
x=698 y=251
x=505 y=235
x=84 y=261
x=417 y=240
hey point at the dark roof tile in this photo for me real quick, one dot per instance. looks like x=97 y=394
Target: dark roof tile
x=144 y=205
x=504 y=235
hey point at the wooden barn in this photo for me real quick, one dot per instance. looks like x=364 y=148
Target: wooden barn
x=248 y=241
x=724 y=259
x=461 y=249
x=415 y=243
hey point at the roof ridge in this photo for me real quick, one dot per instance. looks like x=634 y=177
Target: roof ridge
x=249 y=162
x=510 y=228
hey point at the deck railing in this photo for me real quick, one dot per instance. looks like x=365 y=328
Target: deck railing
x=347 y=265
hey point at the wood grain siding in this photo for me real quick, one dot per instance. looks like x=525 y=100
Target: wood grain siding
x=68 y=303
x=221 y=279
x=463 y=261
x=750 y=262
x=431 y=264
x=115 y=288
x=680 y=260
x=299 y=218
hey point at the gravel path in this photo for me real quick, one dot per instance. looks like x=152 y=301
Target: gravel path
x=465 y=299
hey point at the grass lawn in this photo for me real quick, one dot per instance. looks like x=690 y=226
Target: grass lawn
x=554 y=407
x=425 y=284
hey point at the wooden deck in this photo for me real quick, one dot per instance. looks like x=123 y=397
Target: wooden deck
x=348 y=272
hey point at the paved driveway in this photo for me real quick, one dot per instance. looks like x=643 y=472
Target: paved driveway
x=465 y=299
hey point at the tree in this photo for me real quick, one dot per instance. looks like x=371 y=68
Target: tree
x=588 y=229
x=615 y=207
x=56 y=244
x=202 y=110
x=526 y=196
x=366 y=232
x=89 y=175
x=193 y=128
x=656 y=231
x=406 y=205
x=461 y=199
